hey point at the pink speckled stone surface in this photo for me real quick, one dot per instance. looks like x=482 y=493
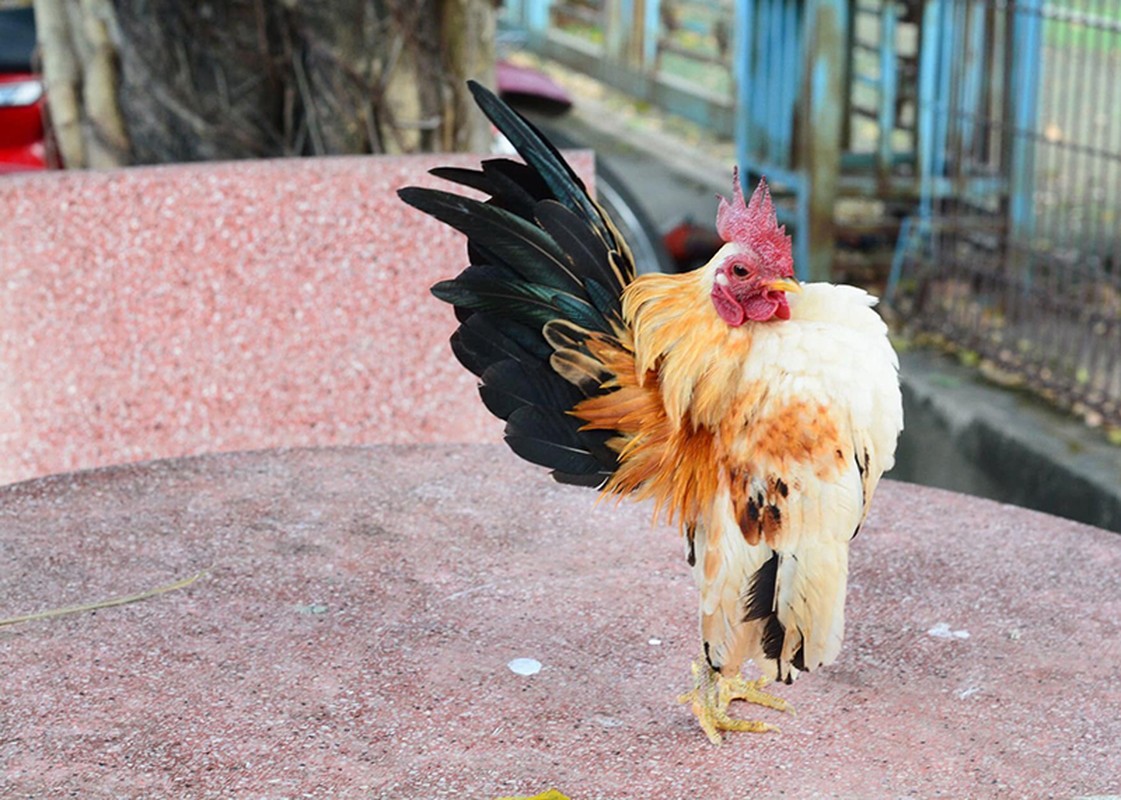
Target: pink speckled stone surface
x=156 y=312
x=351 y=640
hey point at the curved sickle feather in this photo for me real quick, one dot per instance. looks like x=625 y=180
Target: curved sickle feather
x=543 y=255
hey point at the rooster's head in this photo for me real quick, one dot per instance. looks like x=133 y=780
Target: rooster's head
x=755 y=269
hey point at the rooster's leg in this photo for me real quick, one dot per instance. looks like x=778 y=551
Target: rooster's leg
x=711 y=694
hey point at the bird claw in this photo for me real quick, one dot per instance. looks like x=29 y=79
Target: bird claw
x=739 y=688
x=712 y=693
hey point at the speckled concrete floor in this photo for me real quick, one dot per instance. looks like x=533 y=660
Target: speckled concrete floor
x=352 y=634
x=165 y=311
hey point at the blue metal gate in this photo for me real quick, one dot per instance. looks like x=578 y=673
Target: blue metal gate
x=1015 y=256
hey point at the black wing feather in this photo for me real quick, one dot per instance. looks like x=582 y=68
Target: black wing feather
x=515 y=185
x=605 y=301
x=542 y=255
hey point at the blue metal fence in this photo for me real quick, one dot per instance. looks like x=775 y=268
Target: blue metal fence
x=1013 y=255
x=996 y=122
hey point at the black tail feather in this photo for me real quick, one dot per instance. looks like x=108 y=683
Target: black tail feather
x=542 y=253
x=553 y=439
x=478 y=344
x=510 y=184
x=540 y=154
x=509 y=239
x=509 y=385
x=589 y=255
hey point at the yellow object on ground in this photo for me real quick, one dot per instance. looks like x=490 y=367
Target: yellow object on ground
x=552 y=794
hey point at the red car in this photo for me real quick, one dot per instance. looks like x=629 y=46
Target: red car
x=22 y=135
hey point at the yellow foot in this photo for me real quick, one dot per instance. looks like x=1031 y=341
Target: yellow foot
x=739 y=688
x=711 y=694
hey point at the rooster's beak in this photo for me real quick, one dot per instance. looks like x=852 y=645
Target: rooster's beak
x=784 y=285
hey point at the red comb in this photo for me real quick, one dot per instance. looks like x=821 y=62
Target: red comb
x=755 y=225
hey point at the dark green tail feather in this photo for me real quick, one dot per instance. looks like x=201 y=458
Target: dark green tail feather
x=541 y=251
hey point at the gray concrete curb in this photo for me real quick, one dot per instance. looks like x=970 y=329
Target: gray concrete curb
x=969 y=435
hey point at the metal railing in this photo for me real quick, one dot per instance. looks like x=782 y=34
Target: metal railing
x=1016 y=252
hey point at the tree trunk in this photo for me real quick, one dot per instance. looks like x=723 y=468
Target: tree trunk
x=80 y=73
x=149 y=81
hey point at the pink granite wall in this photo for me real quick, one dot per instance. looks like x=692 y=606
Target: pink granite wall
x=157 y=312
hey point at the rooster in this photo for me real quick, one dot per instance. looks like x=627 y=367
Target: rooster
x=755 y=411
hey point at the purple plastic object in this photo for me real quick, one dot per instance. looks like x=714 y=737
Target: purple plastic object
x=526 y=86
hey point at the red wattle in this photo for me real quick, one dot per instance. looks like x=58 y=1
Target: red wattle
x=727 y=306
x=760 y=307
x=783 y=310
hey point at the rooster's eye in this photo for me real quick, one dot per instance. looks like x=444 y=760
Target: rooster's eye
x=739 y=270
